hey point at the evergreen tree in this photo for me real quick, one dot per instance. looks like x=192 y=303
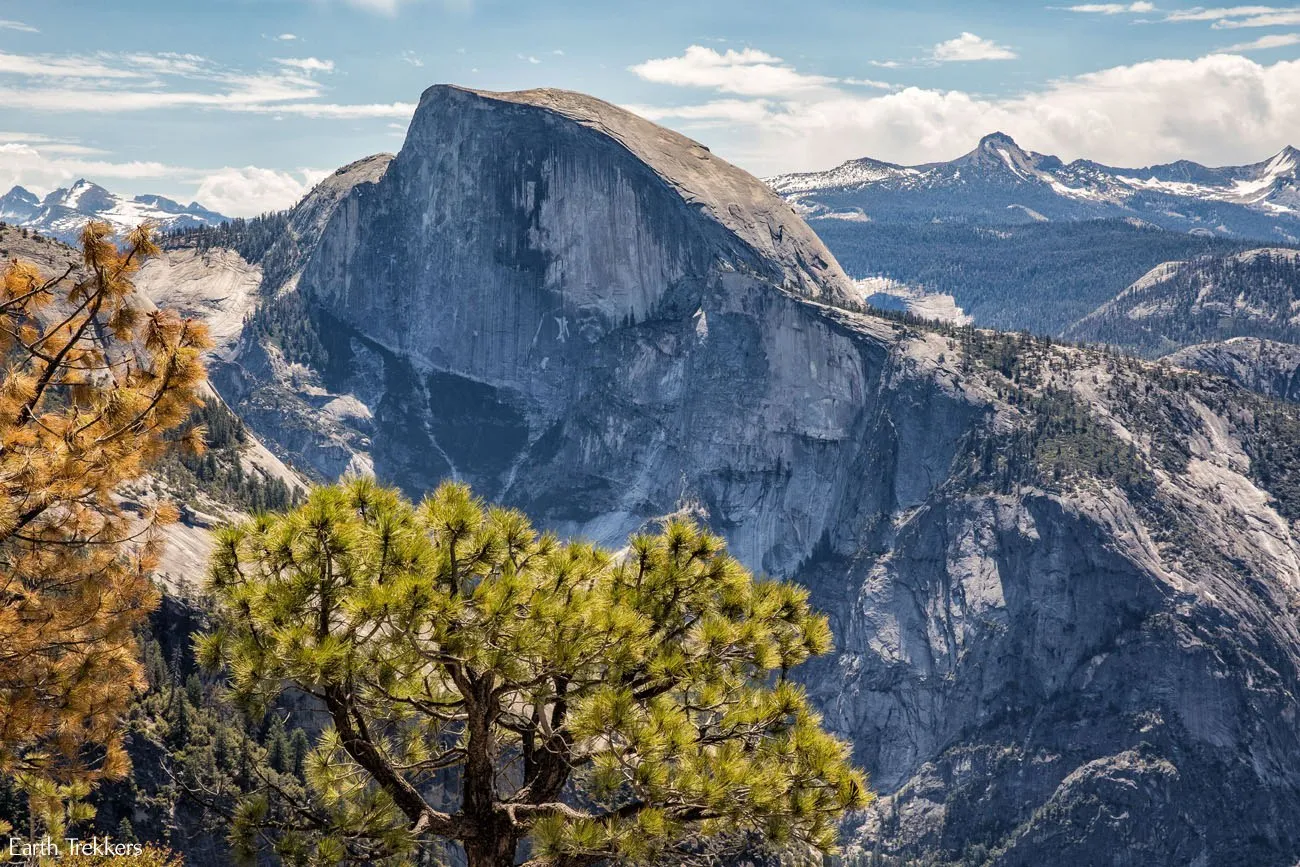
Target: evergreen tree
x=493 y=687
x=89 y=389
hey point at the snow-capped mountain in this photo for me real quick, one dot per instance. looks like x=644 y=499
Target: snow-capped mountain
x=63 y=212
x=999 y=182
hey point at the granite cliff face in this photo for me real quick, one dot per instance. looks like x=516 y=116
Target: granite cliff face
x=1265 y=366
x=1064 y=585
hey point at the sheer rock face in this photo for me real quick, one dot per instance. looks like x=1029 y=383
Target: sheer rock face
x=1266 y=366
x=595 y=320
x=540 y=221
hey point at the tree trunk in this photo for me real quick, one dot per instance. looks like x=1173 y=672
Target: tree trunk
x=492 y=849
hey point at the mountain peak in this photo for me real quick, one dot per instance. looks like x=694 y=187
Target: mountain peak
x=63 y=212
x=1287 y=154
x=998 y=138
x=737 y=202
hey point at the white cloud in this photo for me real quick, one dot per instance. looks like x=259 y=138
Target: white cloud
x=1219 y=109
x=747 y=72
x=306 y=65
x=1215 y=14
x=247 y=191
x=968 y=46
x=335 y=111
x=530 y=58
x=720 y=111
x=1281 y=18
x=1277 y=40
x=145 y=82
x=412 y=58
x=51 y=66
x=869 y=82
x=6 y=24
x=386 y=7
x=1236 y=17
x=390 y=7
x=286 y=37
x=1113 y=8
x=41 y=165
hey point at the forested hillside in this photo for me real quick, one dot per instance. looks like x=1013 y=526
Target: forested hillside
x=1040 y=277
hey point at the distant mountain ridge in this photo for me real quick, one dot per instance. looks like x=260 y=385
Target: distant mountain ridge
x=1000 y=182
x=1252 y=294
x=63 y=212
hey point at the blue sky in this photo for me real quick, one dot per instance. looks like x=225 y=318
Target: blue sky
x=244 y=103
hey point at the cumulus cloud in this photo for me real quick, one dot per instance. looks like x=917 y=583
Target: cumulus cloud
x=748 y=72
x=1217 y=109
x=42 y=164
x=247 y=191
x=968 y=47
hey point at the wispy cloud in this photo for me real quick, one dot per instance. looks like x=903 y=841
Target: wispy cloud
x=109 y=82
x=286 y=37
x=1263 y=43
x=352 y=111
x=1201 y=13
x=1281 y=18
x=1236 y=17
x=7 y=24
x=307 y=65
x=1113 y=8
x=969 y=47
x=390 y=7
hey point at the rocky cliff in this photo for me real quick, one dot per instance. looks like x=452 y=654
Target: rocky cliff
x=1063 y=584
x=1265 y=366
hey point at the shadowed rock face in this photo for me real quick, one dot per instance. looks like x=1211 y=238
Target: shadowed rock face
x=1265 y=366
x=594 y=319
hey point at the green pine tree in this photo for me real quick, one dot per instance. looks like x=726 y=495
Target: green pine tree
x=495 y=688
